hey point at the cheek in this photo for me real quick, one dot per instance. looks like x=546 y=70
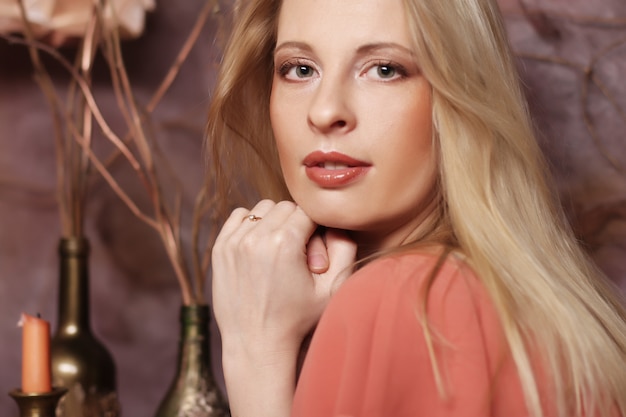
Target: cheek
x=419 y=114
x=414 y=154
x=287 y=152
x=281 y=117
x=287 y=159
x=286 y=114
x=277 y=121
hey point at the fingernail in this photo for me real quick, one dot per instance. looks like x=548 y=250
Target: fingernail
x=318 y=262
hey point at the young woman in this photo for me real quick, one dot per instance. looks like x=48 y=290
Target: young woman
x=405 y=216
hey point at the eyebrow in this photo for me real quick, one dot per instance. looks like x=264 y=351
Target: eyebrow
x=373 y=47
x=294 y=45
x=361 y=50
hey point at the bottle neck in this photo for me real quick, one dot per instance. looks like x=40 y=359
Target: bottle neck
x=73 y=310
x=194 y=338
x=193 y=387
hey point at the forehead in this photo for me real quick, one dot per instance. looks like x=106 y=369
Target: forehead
x=336 y=21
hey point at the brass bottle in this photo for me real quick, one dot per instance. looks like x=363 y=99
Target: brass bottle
x=80 y=362
x=193 y=392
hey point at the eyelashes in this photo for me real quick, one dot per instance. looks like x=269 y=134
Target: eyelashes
x=387 y=70
x=299 y=69
x=296 y=68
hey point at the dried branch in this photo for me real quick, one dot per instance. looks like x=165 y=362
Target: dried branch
x=192 y=39
x=47 y=87
x=209 y=7
x=117 y=189
x=201 y=207
x=87 y=56
x=138 y=147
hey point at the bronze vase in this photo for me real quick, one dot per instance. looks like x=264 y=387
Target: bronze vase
x=80 y=362
x=193 y=392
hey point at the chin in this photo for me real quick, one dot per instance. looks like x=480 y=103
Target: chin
x=336 y=220
x=336 y=214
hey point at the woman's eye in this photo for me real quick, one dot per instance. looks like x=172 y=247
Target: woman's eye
x=303 y=71
x=297 y=71
x=385 y=72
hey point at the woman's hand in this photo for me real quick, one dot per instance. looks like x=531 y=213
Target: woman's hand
x=263 y=290
x=266 y=299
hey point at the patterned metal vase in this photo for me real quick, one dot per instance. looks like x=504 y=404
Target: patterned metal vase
x=193 y=392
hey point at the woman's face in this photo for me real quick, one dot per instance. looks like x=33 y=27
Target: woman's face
x=351 y=115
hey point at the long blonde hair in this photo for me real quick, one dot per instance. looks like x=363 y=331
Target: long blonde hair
x=494 y=192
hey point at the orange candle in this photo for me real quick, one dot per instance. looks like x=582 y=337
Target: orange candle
x=35 y=355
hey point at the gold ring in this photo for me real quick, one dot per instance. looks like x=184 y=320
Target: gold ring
x=253 y=218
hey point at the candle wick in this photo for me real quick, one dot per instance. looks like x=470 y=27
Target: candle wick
x=38 y=315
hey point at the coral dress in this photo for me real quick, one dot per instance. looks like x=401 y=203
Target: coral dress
x=369 y=356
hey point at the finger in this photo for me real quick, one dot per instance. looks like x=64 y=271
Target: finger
x=288 y=217
x=231 y=224
x=233 y=228
x=342 y=255
x=282 y=223
x=303 y=223
x=317 y=254
x=290 y=228
x=239 y=221
x=273 y=215
x=260 y=210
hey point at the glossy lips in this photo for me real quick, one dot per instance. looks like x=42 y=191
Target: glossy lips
x=333 y=169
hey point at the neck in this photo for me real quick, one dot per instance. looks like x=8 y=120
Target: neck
x=422 y=227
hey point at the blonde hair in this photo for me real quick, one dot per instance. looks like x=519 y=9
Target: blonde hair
x=241 y=146
x=495 y=197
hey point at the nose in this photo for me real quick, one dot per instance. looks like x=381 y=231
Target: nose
x=330 y=110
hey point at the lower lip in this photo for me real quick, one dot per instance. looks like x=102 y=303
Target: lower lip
x=335 y=178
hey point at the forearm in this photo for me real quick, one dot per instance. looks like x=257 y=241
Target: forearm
x=266 y=299
x=260 y=382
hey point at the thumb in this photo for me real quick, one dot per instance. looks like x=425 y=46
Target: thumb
x=317 y=254
x=342 y=256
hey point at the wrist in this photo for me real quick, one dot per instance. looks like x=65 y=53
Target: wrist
x=258 y=353
x=260 y=379
x=260 y=345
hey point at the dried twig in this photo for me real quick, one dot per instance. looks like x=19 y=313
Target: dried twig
x=47 y=87
x=78 y=119
x=191 y=40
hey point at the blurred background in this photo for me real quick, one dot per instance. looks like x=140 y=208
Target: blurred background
x=572 y=57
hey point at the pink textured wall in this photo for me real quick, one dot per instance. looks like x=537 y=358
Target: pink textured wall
x=135 y=298
x=573 y=55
